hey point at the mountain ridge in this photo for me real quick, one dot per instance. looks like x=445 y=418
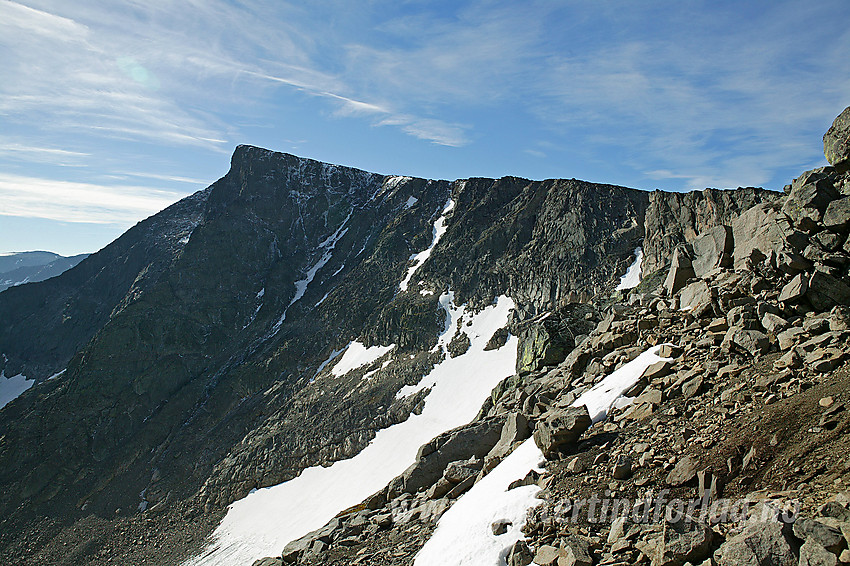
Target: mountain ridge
x=230 y=302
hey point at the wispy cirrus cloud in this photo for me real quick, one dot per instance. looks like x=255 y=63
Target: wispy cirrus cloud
x=95 y=66
x=80 y=202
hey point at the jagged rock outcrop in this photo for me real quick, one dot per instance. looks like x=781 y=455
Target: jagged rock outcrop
x=673 y=219
x=836 y=141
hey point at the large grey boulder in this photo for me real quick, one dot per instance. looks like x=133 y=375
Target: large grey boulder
x=756 y=234
x=541 y=344
x=475 y=439
x=681 y=541
x=836 y=141
x=514 y=431
x=696 y=297
x=712 y=250
x=837 y=215
x=813 y=554
x=558 y=430
x=806 y=203
x=829 y=537
x=760 y=544
x=752 y=342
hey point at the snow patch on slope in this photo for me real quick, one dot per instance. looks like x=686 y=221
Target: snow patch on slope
x=420 y=258
x=464 y=536
x=479 y=328
x=12 y=387
x=263 y=523
x=357 y=355
x=631 y=279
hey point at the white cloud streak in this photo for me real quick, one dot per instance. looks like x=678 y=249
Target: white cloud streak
x=80 y=202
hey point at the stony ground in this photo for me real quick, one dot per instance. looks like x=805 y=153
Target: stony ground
x=157 y=537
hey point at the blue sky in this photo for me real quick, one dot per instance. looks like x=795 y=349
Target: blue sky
x=110 y=110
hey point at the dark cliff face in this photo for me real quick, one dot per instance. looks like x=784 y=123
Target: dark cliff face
x=192 y=341
x=44 y=324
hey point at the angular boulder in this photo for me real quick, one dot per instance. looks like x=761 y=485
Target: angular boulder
x=683 y=472
x=475 y=439
x=559 y=429
x=809 y=201
x=695 y=297
x=712 y=250
x=684 y=540
x=759 y=544
x=541 y=344
x=681 y=270
x=514 y=431
x=519 y=554
x=837 y=215
x=825 y=291
x=826 y=536
x=752 y=342
x=795 y=289
x=836 y=141
x=813 y=554
x=756 y=234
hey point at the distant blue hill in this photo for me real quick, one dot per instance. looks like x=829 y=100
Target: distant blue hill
x=29 y=267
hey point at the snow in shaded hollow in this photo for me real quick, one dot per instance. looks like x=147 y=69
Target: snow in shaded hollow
x=262 y=523
x=12 y=387
x=464 y=536
x=420 y=258
x=631 y=278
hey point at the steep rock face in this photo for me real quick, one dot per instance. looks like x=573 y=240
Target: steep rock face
x=538 y=242
x=46 y=323
x=184 y=354
x=679 y=218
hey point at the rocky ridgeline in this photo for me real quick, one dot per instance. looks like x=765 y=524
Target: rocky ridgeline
x=749 y=406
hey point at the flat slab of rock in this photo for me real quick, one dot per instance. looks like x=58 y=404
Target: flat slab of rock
x=795 y=289
x=712 y=249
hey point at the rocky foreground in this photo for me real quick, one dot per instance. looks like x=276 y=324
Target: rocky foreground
x=734 y=448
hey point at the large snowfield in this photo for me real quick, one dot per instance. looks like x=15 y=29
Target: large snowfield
x=263 y=523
